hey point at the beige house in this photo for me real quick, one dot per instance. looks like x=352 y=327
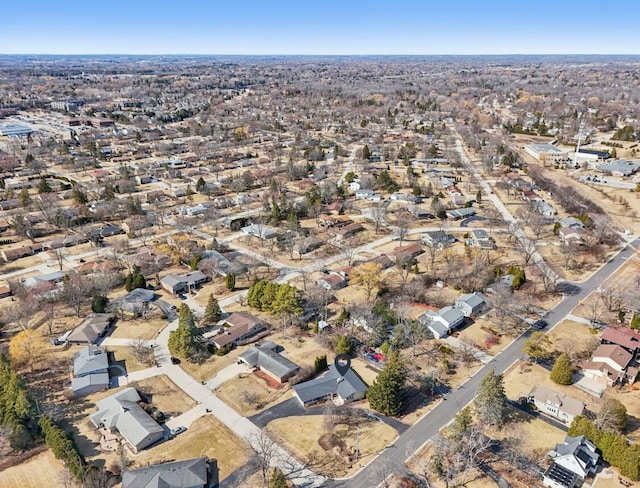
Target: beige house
x=554 y=404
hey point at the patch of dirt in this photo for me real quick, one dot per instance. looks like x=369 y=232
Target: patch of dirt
x=329 y=441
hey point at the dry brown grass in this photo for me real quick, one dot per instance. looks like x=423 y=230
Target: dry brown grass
x=209 y=368
x=140 y=328
x=166 y=396
x=250 y=394
x=570 y=336
x=300 y=435
x=205 y=437
x=124 y=353
x=38 y=472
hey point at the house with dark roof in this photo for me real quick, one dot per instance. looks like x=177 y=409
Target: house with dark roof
x=90 y=371
x=575 y=455
x=91 y=329
x=190 y=473
x=437 y=238
x=267 y=358
x=239 y=327
x=331 y=386
x=121 y=412
x=402 y=254
x=182 y=283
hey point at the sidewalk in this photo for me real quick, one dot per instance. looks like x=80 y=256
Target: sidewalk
x=483 y=357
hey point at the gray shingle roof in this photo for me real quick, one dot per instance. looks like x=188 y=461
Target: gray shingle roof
x=330 y=384
x=122 y=411
x=90 y=359
x=266 y=358
x=190 y=473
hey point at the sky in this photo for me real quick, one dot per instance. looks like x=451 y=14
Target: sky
x=321 y=27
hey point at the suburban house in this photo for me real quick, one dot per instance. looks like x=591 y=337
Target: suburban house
x=91 y=329
x=571 y=236
x=471 y=303
x=554 y=404
x=573 y=461
x=332 y=281
x=222 y=264
x=331 y=386
x=122 y=412
x=190 y=473
x=260 y=231
x=626 y=338
x=240 y=326
x=383 y=260
x=182 y=283
x=442 y=322
x=267 y=358
x=363 y=194
x=610 y=364
x=136 y=302
x=461 y=213
x=571 y=222
x=334 y=220
x=481 y=239
x=90 y=371
x=544 y=208
x=437 y=238
x=402 y=254
x=348 y=230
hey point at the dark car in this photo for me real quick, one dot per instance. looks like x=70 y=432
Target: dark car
x=175 y=360
x=540 y=324
x=182 y=296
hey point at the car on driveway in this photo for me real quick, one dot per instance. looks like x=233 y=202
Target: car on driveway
x=175 y=360
x=178 y=430
x=181 y=296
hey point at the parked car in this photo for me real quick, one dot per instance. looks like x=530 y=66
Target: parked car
x=181 y=296
x=175 y=360
x=178 y=430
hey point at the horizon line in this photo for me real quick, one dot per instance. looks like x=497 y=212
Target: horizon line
x=317 y=54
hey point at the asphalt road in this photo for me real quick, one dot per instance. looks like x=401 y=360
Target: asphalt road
x=429 y=425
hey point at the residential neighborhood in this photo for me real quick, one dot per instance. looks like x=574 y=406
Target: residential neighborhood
x=190 y=248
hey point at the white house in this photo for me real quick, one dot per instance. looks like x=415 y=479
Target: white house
x=554 y=404
x=471 y=303
x=442 y=322
x=573 y=461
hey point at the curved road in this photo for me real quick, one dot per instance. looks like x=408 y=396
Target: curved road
x=429 y=425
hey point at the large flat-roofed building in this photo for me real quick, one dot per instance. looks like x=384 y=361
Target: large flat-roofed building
x=15 y=130
x=539 y=151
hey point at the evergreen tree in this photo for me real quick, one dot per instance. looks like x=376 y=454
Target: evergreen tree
x=344 y=345
x=99 y=304
x=230 y=281
x=479 y=196
x=43 y=186
x=366 y=153
x=561 y=372
x=182 y=341
x=320 y=363
x=200 y=185
x=212 y=312
x=491 y=400
x=386 y=394
x=461 y=423
x=278 y=479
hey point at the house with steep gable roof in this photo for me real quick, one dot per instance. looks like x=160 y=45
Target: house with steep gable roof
x=573 y=461
x=190 y=473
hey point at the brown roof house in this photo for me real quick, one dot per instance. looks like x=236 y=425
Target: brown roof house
x=624 y=337
x=241 y=326
x=332 y=281
x=610 y=364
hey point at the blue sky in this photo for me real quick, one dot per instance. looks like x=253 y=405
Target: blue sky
x=319 y=27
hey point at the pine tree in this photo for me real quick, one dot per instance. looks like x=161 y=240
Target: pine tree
x=212 y=312
x=278 y=479
x=561 y=372
x=386 y=394
x=491 y=400
x=43 y=186
x=182 y=341
x=344 y=345
x=230 y=281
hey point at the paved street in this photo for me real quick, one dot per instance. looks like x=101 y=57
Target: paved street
x=429 y=425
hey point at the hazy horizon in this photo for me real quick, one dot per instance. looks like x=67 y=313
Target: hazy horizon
x=331 y=27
